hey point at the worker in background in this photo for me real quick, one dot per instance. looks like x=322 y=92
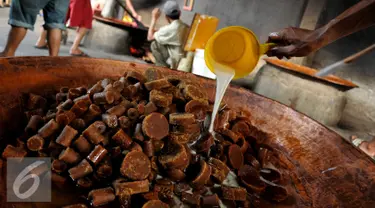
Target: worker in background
x=111 y=9
x=301 y=42
x=131 y=9
x=80 y=15
x=167 y=45
x=22 y=18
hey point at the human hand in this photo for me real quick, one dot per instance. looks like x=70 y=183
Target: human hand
x=138 y=17
x=293 y=41
x=156 y=13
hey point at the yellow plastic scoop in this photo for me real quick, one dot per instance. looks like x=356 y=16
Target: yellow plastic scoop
x=235 y=47
x=232 y=52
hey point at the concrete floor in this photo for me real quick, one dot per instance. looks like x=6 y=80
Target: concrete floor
x=27 y=46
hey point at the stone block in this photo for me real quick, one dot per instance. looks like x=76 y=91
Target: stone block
x=317 y=100
x=108 y=38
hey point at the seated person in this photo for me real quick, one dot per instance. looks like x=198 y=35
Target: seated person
x=168 y=41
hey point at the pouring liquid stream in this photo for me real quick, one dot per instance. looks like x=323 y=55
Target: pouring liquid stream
x=224 y=75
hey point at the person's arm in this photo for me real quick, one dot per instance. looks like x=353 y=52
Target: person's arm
x=129 y=5
x=301 y=42
x=151 y=30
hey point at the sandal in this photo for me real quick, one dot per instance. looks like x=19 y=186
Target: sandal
x=357 y=141
x=41 y=47
x=80 y=55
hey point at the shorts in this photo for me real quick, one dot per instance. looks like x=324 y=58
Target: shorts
x=23 y=13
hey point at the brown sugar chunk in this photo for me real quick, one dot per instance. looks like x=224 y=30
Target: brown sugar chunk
x=211 y=201
x=176 y=174
x=97 y=154
x=136 y=166
x=234 y=194
x=134 y=77
x=192 y=199
x=197 y=107
x=203 y=175
x=192 y=92
x=48 y=129
x=152 y=74
x=220 y=170
x=101 y=196
x=155 y=204
x=93 y=133
x=134 y=187
x=69 y=156
x=66 y=136
x=242 y=128
x=183 y=119
x=157 y=84
x=180 y=138
x=35 y=143
x=155 y=126
x=160 y=98
x=250 y=177
x=276 y=193
x=235 y=156
x=174 y=155
x=122 y=139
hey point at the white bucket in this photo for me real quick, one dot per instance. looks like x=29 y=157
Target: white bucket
x=199 y=65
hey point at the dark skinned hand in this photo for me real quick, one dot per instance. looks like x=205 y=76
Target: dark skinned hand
x=293 y=42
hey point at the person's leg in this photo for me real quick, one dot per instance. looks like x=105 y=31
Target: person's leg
x=42 y=40
x=367 y=147
x=84 y=22
x=16 y=35
x=54 y=17
x=54 y=40
x=21 y=18
x=160 y=53
x=74 y=50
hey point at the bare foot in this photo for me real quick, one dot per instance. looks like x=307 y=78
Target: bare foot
x=78 y=52
x=75 y=51
x=365 y=146
x=41 y=44
x=3 y=55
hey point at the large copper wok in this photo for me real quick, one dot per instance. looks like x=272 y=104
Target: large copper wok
x=325 y=170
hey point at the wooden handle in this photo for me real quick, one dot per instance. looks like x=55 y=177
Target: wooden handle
x=359 y=54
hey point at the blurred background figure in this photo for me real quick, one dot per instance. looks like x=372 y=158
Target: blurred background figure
x=5 y=3
x=97 y=6
x=22 y=18
x=79 y=15
x=130 y=7
x=167 y=45
x=112 y=9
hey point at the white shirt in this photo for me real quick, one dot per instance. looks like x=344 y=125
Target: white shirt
x=173 y=37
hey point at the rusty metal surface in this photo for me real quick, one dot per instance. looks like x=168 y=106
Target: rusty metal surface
x=310 y=72
x=325 y=170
